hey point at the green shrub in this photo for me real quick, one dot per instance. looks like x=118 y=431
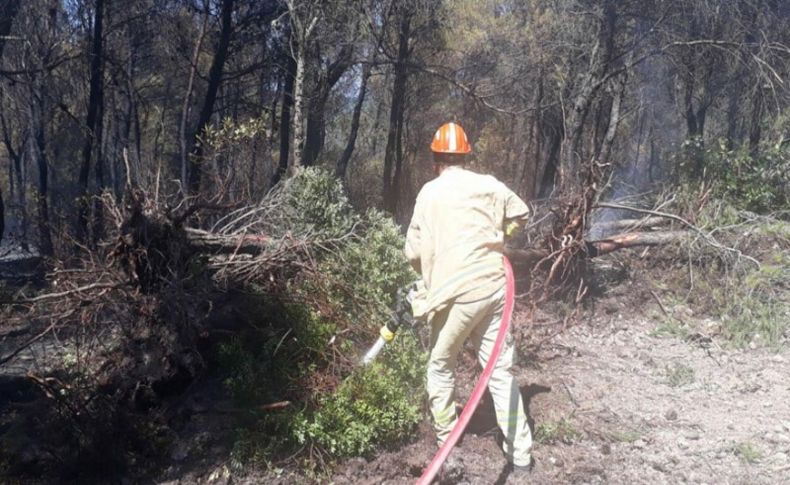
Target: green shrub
x=367 y=272
x=316 y=200
x=758 y=182
x=562 y=430
x=758 y=310
x=307 y=344
x=374 y=405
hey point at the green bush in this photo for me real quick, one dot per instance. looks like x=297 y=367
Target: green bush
x=758 y=309
x=368 y=271
x=758 y=182
x=307 y=343
x=373 y=405
x=316 y=200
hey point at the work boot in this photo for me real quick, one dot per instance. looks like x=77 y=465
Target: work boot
x=520 y=473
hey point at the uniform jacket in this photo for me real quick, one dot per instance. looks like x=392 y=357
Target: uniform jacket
x=456 y=237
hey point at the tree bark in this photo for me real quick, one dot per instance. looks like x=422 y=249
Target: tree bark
x=93 y=120
x=298 y=99
x=39 y=152
x=185 y=107
x=569 y=171
x=342 y=162
x=16 y=176
x=396 y=114
x=316 y=120
x=622 y=241
x=530 y=256
x=9 y=9
x=755 y=130
x=214 y=82
x=285 y=121
x=625 y=224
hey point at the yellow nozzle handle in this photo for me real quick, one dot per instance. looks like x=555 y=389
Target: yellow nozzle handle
x=386 y=333
x=511 y=228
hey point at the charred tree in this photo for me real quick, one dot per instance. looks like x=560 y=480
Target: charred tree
x=316 y=120
x=342 y=162
x=38 y=151
x=93 y=121
x=9 y=9
x=214 y=82
x=285 y=120
x=185 y=107
x=392 y=155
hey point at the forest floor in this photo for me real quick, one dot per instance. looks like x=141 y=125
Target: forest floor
x=614 y=398
x=617 y=397
x=613 y=402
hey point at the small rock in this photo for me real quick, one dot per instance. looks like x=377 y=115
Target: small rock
x=671 y=415
x=682 y=444
x=777 y=358
x=693 y=436
x=606 y=448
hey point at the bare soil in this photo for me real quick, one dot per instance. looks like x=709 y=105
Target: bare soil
x=610 y=399
x=614 y=403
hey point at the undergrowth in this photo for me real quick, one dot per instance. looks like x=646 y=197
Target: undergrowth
x=750 y=298
x=304 y=352
x=561 y=430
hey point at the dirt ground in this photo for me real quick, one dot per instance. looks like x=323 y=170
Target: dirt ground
x=613 y=402
x=612 y=399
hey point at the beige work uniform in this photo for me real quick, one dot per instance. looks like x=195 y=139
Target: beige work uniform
x=456 y=242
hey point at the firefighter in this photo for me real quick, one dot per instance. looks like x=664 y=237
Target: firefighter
x=456 y=241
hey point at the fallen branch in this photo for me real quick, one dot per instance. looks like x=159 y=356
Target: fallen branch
x=706 y=236
x=276 y=405
x=602 y=246
x=629 y=224
x=28 y=343
x=81 y=289
x=217 y=243
x=606 y=246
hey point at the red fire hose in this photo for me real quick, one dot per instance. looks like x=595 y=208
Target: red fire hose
x=441 y=455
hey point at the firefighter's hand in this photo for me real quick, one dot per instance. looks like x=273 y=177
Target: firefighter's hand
x=511 y=229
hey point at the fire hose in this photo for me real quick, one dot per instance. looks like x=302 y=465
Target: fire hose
x=466 y=415
x=387 y=333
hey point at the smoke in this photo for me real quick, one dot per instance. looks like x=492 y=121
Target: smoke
x=651 y=132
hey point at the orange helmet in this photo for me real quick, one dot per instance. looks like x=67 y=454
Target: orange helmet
x=450 y=138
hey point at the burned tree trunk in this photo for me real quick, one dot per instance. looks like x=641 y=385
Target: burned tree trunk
x=93 y=120
x=185 y=107
x=316 y=120
x=342 y=163
x=392 y=155
x=9 y=9
x=38 y=150
x=214 y=82
x=285 y=121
